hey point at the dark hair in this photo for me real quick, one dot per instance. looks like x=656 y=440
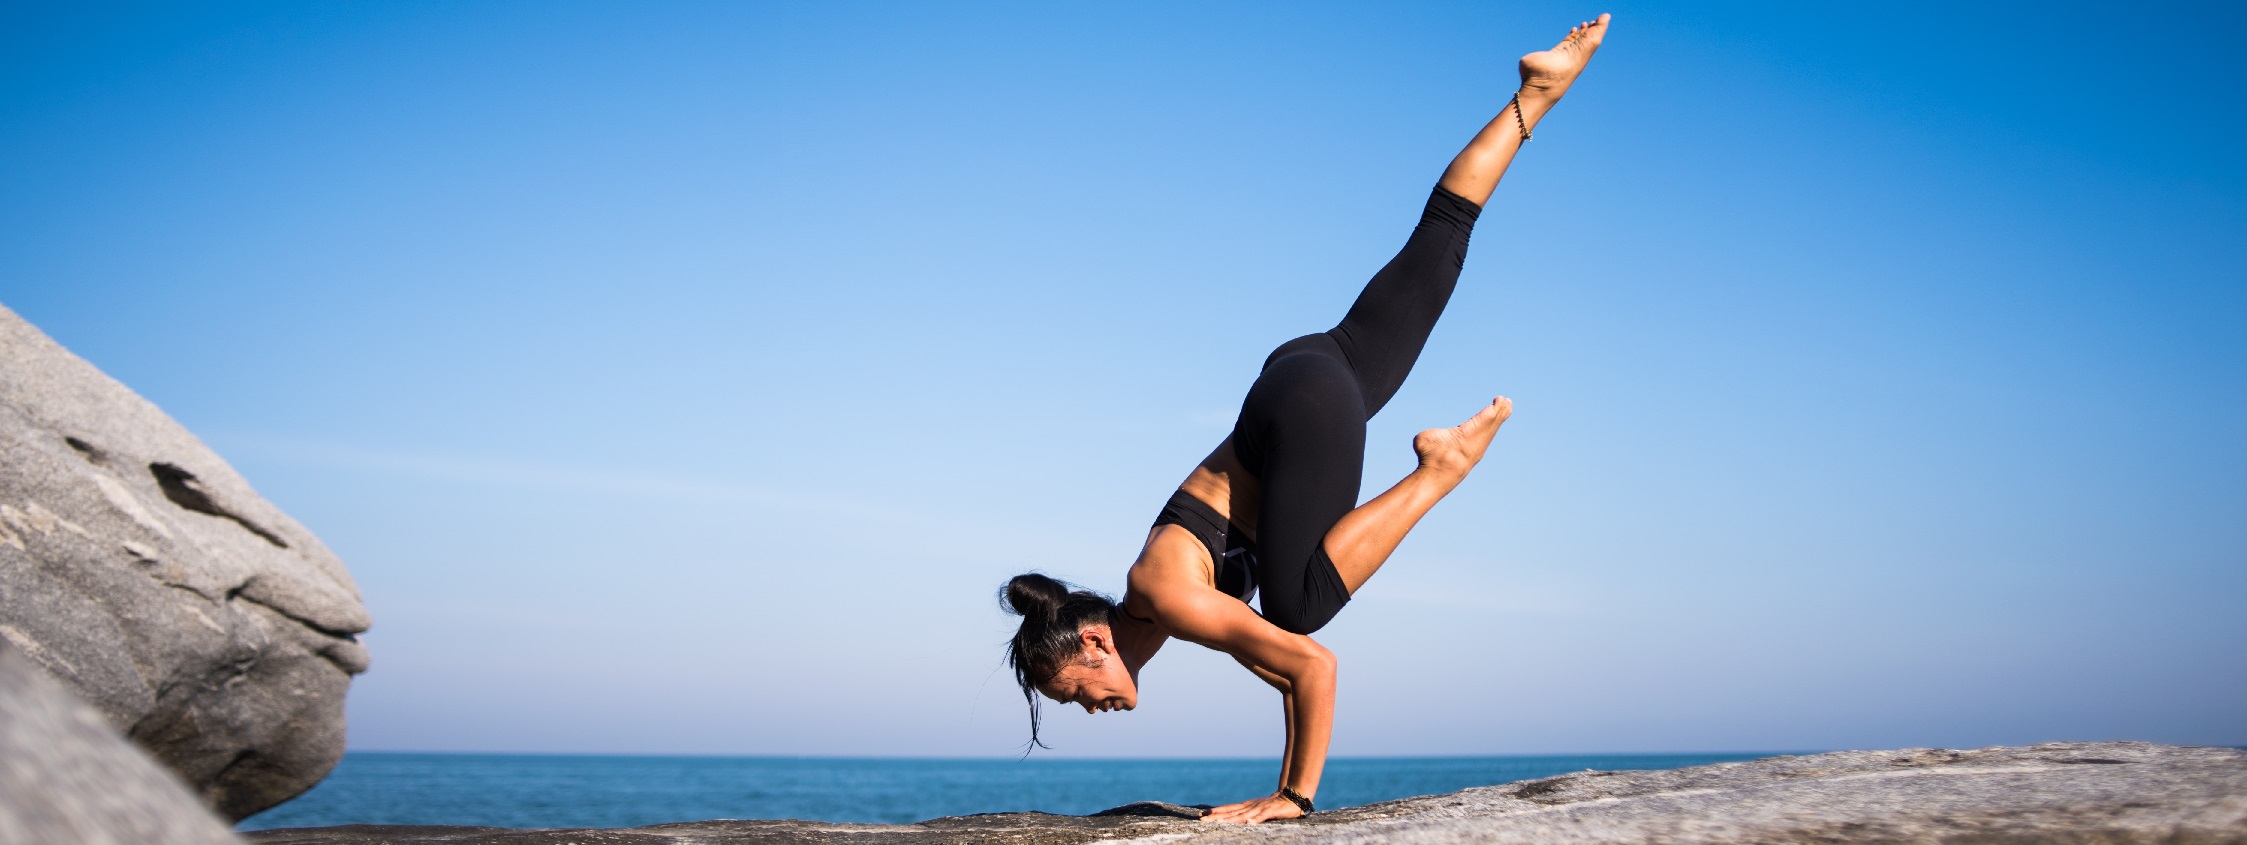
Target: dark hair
x=1053 y=612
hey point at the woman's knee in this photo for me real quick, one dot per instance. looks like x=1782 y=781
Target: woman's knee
x=1307 y=603
x=1298 y=618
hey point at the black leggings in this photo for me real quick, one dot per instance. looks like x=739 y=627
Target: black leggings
x=1301 y=430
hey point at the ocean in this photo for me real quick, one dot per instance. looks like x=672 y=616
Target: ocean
x=527 y=790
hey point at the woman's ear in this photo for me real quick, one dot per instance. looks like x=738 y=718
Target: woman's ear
x=1097 y=639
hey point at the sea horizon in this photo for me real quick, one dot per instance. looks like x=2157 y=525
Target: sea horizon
x=568 y=790
x=1054 y=756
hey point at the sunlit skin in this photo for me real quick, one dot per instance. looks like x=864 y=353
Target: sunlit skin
x=1173 y=582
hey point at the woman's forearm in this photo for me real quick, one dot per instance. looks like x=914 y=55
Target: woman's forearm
x=1287 y=755
x=1310 y=725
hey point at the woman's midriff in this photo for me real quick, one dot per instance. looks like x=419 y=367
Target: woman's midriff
x=1223 y=484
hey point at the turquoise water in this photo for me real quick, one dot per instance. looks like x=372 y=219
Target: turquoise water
x=570 y=791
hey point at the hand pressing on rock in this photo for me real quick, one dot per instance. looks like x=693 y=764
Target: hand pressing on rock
x=1273 y=806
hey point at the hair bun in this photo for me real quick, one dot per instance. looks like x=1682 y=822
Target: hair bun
x=1034 y=596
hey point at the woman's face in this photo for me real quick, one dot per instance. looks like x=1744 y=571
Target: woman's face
x=1096 y=679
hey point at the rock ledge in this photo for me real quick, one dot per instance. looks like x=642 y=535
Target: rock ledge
x=2105 y=792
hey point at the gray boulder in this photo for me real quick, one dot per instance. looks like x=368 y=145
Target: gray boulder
x=67 y=777
x=2104 y=792
x=136 y=566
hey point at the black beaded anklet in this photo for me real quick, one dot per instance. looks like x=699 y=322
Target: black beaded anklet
x=1301 y=803
x=1520 y=120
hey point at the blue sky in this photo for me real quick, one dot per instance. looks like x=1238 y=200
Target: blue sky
x=686 y=377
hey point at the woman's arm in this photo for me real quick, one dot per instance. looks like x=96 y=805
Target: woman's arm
x=1298 y=666
x=1287 y=713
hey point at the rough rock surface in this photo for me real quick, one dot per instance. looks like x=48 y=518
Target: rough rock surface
x=66 y=775
x=2106 y=792
x=137 y=566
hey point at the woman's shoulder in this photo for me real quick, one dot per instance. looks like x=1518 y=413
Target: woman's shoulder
x=1173 y=553
x=1173 y=559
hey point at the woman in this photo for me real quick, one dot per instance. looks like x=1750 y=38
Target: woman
x=1273 y=509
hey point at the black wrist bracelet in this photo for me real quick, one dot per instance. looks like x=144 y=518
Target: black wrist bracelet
x=1300 y=802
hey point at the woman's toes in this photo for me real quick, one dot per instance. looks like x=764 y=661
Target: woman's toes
x=1500 y=409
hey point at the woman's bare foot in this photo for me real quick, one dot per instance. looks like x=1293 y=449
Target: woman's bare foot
x=1546 y=75
x=1457 y=449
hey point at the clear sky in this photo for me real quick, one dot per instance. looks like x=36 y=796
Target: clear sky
x=686 y=377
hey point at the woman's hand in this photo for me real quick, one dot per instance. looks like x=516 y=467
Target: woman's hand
x=1269 y=807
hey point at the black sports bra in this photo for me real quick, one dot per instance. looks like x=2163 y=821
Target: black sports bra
x=1231 y=551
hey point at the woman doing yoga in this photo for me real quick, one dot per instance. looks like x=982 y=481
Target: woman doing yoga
x=1274 y=509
